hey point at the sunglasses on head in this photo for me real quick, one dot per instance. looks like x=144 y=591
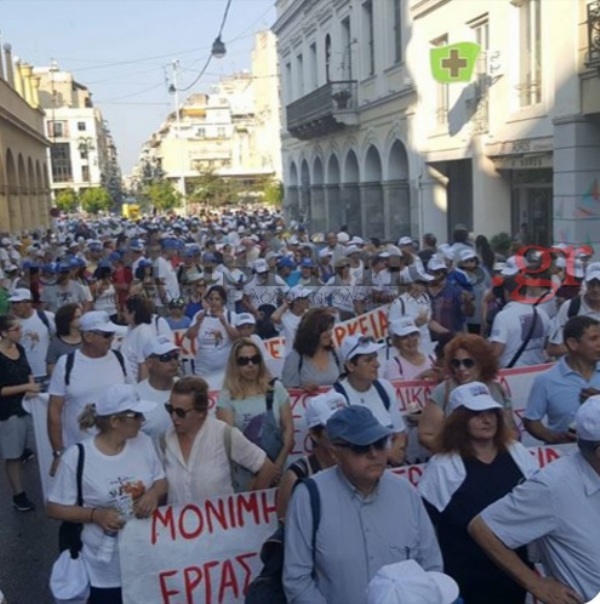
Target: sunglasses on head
x=178 y=411
x=105 y=334
x=362 y=341
x=167 y=357
x=243 y=361
x=378 y=445
x=133 y=415
x=466 y=363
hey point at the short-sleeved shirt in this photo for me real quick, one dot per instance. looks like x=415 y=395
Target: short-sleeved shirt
x=58 y=347
x=35 y=339
x=55 y=295
x=446 y=307
x=559 y=507
x=297 y=372
x=13 y=372
x=562 y=316
x=554 y=395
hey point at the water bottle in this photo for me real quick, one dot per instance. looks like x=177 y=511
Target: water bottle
x=107 y=546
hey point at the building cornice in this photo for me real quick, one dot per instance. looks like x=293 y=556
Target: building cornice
x=394 y=96
x=21 y=125
x=420 y=8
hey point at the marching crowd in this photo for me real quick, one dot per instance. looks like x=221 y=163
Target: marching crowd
x=88 y=312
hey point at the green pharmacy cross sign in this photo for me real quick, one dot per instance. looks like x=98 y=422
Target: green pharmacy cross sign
x=454 y=63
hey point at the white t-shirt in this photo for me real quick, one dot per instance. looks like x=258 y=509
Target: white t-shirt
x=212 y=344
x=289 y=327
x=35 y=339
x=207 y=472
x=107 y=301
x=89 y=377
x=391 y=419
x=231 y=280
x=158 y=420
x=109 y=481
x=134 y=343
x=556 y=335
x=164 y=270
x=342 y=296
x=511 y=326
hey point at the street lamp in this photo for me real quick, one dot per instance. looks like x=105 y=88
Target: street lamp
x=218 y=48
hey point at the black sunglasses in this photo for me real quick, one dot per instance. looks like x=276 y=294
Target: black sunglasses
x=243 y=361
x=133 y=415
x=466 y=363
x=178 y=411
x=378 y=445
x=167 y=357
x=105 y=334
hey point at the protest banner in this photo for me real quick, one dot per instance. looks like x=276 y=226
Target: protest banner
x=208 y=552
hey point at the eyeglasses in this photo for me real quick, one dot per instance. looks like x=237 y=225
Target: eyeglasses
x=105 y=334
x=378 y=445
x=133 y=415
x=167 y=357
x=458 y=363
x=243 y=361
x=178 y=411
x=362 y=341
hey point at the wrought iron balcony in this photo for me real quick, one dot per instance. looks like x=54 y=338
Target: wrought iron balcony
x=593 y=31
x=323 y=111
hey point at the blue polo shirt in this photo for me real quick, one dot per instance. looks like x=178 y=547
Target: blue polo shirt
x=555 y=395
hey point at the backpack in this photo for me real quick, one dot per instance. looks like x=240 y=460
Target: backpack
x=44 y=319
x=71 y=361
x=574 y=307
x=383 y=395
x=268 y=586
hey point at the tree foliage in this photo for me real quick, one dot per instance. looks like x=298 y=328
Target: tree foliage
x=67 y=200
x=163 y=195
x=95 y=200
x=273 y=193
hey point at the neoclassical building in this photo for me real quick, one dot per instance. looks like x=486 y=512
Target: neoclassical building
x=24 y=185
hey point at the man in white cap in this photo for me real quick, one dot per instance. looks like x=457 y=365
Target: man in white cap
x=367 y=518
x=333 y=246
x=78 y=377
x=288 y=316
x=408 y=583
x=559 y=509
x=587 y=303
x=162 y=360
x=37 y=329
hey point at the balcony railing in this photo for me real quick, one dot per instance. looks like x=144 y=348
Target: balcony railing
x=593 y=31
x=326 y=110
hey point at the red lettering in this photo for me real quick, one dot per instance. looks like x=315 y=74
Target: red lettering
x=166 y=521
x=228 y=580
x=362 y=323
x=196 y=515
x=191 y=583
x=217 y=511
x=164 y=591
x=247 y=502
x=352 y=327
x=266 y=508
x=241 y=559
x=339 y=333
x=208 y=580
x=383 y=322
x=414 y=474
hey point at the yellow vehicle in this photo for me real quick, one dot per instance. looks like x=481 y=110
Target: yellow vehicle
x=131 y=211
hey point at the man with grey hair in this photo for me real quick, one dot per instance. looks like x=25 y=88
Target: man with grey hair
x=559 y=509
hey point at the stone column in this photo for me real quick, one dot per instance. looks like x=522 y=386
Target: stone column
x=372 y=203
x=4 y=213
x=291 y=203
x=318 y=210
x=26 y=73
x=577 y=182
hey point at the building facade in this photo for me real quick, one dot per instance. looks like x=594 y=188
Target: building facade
x=233 y=131
x=371 y=140
x=82 y=152
x=24 y=184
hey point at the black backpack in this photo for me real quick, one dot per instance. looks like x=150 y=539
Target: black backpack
x=267 y=588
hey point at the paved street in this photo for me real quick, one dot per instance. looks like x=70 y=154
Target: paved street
x=28 y=545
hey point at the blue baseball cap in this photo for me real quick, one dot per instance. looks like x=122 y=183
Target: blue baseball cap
x=29 y=264
x=209 y=257
x=115 y=257
x=144 y=262
x=307 y=263
x=51 y=268
x=356 y=425
x=65 y=267
x=136 y=246
x=286 y=261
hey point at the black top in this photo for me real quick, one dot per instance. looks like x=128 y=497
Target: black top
x=13 y=373
x=478 y=577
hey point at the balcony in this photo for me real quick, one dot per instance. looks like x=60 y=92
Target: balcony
x=324 y=111
x=593 y=33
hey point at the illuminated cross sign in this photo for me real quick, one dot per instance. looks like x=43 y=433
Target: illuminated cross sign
x=454 y=63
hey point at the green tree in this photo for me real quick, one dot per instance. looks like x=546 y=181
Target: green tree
x=163 y=195
x=67 y=200
x=95 y=200
x=273 y=193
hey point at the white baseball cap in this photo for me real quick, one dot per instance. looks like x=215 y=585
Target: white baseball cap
x=351 y=249
x=435 y=264
x=406 y=240
x=159 y=345
x=98 y=320
x=118 y=398
x=244 y=318
x=411 y=274
x=466 y=254
x=21 y=294
x=403 y=327
x=298 y=292
x=355 y=345
x=260 y=266
x=356 y=240
x=592 y=271
x=320 y=408
x=587 y=419
x=325 y=252
x=343 y=237
x=408 y=583
x=510 y=267
x=474 y=396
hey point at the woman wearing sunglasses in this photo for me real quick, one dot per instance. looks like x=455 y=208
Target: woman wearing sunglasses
x=467 y=358
x=122 y=478
x=478 y=462
x=259 y=407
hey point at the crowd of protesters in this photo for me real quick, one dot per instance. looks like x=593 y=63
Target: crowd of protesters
x=88 y=312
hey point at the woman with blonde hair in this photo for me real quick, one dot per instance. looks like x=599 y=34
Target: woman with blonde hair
x=256 y=405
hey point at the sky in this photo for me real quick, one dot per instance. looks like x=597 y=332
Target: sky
x=123 y=50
